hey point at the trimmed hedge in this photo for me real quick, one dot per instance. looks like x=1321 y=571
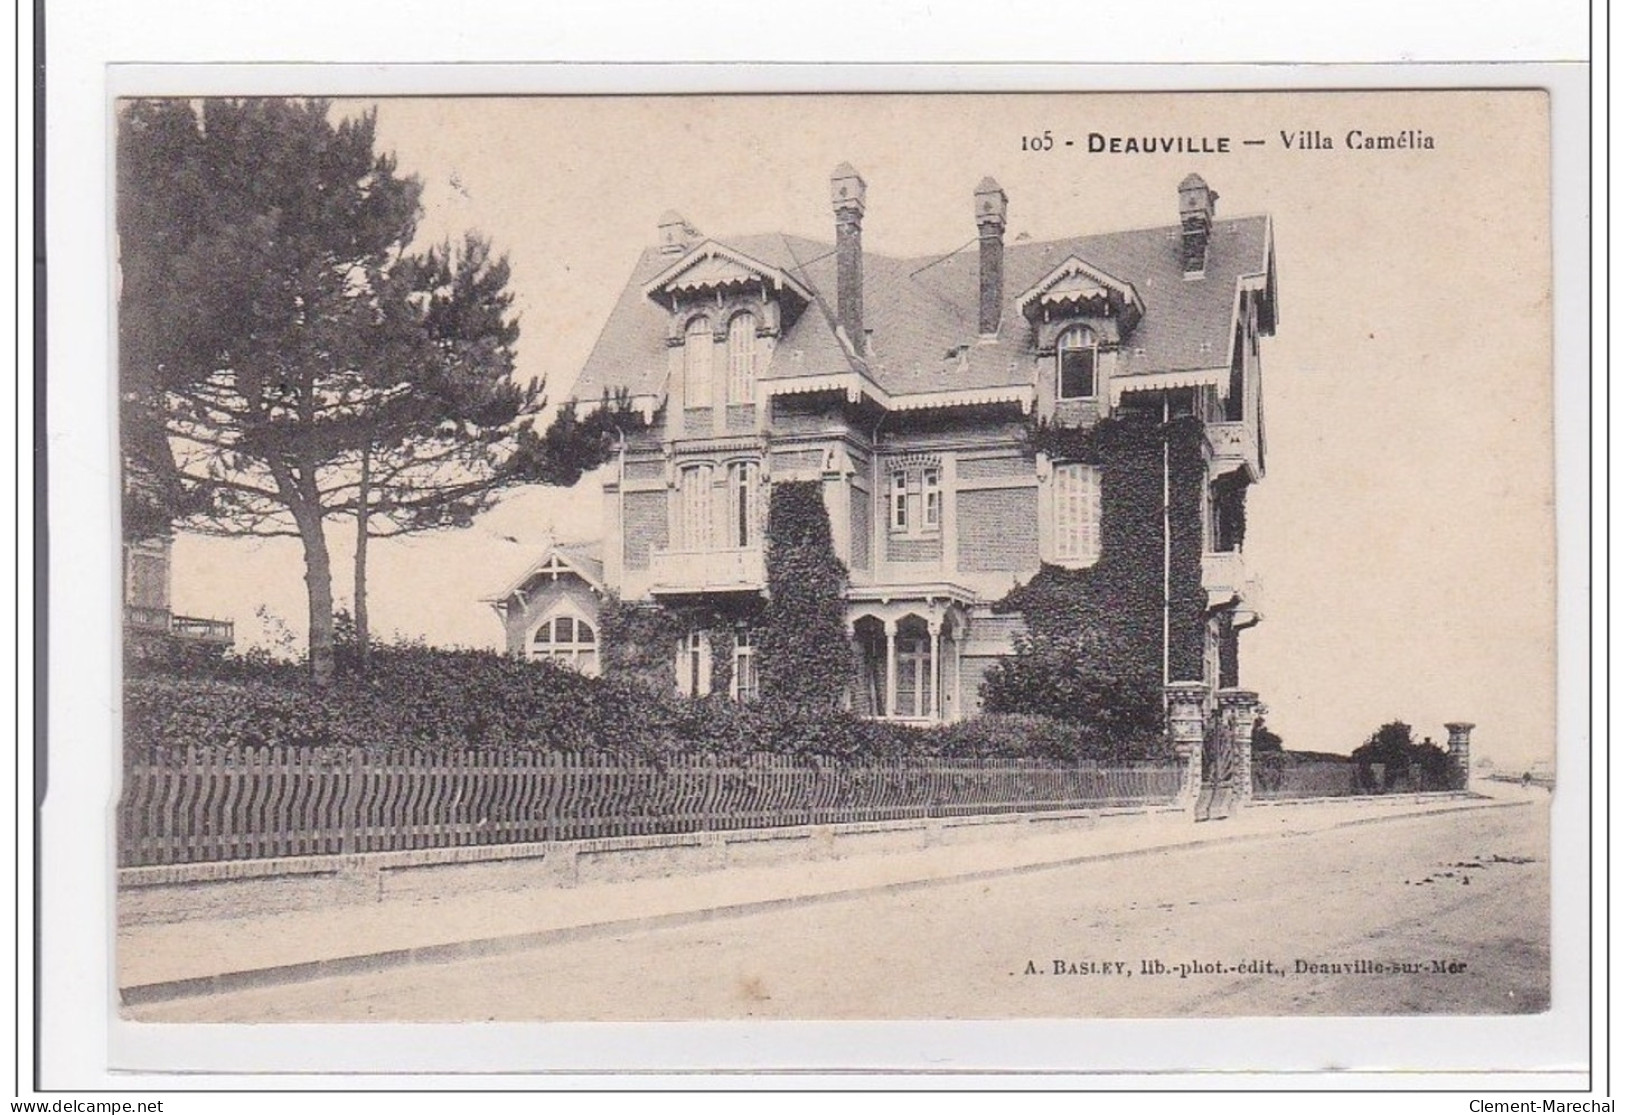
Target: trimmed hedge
x=419 y=698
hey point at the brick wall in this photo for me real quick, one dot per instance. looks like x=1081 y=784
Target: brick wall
x=861 y=527
x=645 y=526
x=901 y=547
x=998 y=530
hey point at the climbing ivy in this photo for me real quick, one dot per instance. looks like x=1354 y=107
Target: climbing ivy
x=1093 y=648
x=804 y=656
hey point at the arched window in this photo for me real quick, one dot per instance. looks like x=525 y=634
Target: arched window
x=569 y=641
x=743 y=479
x=1075 y=372
x=741 y=359
x=697 y=346
x=694 y=515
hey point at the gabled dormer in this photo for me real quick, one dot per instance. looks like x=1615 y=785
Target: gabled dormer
x=727 y=311
x=1080 y=315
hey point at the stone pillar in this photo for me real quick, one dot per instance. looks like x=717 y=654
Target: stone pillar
x=1460 y=751
x=891 y=668
x=1241 y=707
x=1184 y=703
x=935 y=629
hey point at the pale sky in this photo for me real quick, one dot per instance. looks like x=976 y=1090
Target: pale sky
x=1404 y=532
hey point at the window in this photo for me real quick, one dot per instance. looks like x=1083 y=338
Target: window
x=899 y=500
x=914 y=681
x=915 y=497
x=1076 y=492
x=741 y=359
x=1075 y=364
x=744 y=686
x=694 y=518
x=697 y=347
x=743 y=477
x=694 y=665
x=931 y=487
x=567 y=640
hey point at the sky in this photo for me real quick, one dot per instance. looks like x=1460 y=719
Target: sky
x=1404 y=531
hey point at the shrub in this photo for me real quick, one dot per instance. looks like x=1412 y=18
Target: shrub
x=805 y=655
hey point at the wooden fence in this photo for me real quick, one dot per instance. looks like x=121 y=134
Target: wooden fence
x=248 y=803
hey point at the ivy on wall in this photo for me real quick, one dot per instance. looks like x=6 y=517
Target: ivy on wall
x=636 y=642
x=804 y=656
x=1093 y=648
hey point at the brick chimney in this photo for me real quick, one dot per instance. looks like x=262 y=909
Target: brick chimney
x=990 y=209
x=1196 y=207
x=846 y=193
x=675 y=232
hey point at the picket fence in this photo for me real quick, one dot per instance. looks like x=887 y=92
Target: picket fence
x=247 y=803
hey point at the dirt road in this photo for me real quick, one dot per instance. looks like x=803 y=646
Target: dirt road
x=1431 y=914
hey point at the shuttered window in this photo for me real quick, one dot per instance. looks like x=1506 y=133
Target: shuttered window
x=1076 y=493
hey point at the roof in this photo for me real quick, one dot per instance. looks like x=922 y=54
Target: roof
x=585 y=559
x=922 y=314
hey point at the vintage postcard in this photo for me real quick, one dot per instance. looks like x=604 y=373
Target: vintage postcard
x=836 y=557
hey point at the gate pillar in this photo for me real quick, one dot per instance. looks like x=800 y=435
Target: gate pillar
x=1239 y=707
x=1184 y=705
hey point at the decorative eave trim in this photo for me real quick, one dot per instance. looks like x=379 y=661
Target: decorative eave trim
x=1165 y=381
x=645 y=405
x=712 y=248
x=1073 y=265
x=560 y=549
x=856 y=386
x=924 y=591
x=1024 y=394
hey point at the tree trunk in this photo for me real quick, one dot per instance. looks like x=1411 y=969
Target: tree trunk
x=319 y=590
x=363 y=636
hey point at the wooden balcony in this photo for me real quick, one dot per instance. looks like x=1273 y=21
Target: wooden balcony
x=675 y=572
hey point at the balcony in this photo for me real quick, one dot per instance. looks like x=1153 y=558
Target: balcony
x=689 y=572
x=1227 y=580
x=189 y=629
x=1233 y=445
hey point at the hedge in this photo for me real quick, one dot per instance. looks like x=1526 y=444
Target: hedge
x=421 y=698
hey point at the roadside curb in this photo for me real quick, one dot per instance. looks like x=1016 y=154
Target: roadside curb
x=506 y=944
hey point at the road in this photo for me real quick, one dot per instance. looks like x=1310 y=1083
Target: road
x=1433 y=914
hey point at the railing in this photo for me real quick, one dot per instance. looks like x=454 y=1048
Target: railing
x=674 y=570
x=246 y=803
x=190 y=628
x=148 y=619
x=203 y=630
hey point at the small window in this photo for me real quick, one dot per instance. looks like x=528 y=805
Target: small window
x=745 y=686
x=1075 y=364
x=899 y=500
x=743 y=477
x=1075 y=490
x=568 y=641
x=931 y=487
x=741 y=359
x=697 y=350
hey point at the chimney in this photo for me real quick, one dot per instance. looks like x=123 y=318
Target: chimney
x=675 y=232
x=990 y=209
x=1196 y=206
x=846 y=193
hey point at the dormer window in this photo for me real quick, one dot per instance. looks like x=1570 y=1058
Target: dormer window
x=697 y=346
x=1076 y=355
x=741 y=359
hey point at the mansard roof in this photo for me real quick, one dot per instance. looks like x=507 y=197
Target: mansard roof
x=922 y=313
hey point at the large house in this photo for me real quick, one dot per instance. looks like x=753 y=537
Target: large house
x=910 y=390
